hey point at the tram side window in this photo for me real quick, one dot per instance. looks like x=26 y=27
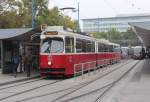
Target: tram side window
x=116 y=49
x=69 y=47
x=110 y=48
x=78 y=45
x=84 y=46
x=88 y=46
x=100 y=47
x=106 y=48
x=93 y=47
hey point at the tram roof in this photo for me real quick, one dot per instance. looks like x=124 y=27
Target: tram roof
x=63 y=32
x=113 y=44
x=104 y=41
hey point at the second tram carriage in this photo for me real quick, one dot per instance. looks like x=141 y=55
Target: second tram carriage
x=138 y=52
x=65 y=53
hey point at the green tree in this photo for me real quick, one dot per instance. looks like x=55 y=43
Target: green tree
x=68 y=22
x=113 y=34
x=99 y=35
x=129 y=34
x=20 y=12
x=7 y=5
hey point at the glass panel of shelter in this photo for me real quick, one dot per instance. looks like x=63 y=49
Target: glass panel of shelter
x=0 y=54
x=11 y=49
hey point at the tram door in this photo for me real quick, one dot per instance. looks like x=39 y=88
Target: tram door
x=69 y=48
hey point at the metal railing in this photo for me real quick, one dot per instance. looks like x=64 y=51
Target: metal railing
x=91 y=66
x=83 y=67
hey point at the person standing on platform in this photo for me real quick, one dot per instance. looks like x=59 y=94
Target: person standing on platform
x=20 y=64
x=29 y=64
x=24 y=62
x=15 y=61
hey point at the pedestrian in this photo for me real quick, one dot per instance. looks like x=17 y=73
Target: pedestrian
x=20 y=64
x=15 y=61
x=143 y=53
x=29 y=64
x=24 y=62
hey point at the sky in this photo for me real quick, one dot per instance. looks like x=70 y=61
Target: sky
x=103 y=8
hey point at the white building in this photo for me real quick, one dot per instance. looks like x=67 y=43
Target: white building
x=120 y=23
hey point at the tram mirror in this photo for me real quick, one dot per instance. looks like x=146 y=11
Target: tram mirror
x=43 y=27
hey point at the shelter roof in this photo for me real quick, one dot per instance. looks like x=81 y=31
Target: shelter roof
x=142 y=29
x=14 y=33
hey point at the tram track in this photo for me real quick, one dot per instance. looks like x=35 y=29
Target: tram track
x=115 y=82
x=56 y=100
x=28 y=90
x=73 y=88
x=23 y=83
x=18 y=81
x=106 y=88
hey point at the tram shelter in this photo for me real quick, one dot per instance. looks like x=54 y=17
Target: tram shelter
x=142 y=30
x=18 y=41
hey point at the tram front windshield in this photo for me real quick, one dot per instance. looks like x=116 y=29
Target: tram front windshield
x=52 y=45
x=117 y=49
x=137 y=50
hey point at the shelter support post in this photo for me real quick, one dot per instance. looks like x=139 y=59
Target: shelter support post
x=2 y=61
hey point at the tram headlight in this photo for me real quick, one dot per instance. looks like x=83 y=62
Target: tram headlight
x=49 y=63
x=42 y=36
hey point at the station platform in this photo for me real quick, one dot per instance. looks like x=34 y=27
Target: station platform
x=135 y=87
x=9 y=78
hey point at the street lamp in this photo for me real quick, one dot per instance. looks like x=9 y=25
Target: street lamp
x=73 y=10
x=63 y=9
x=67 y=8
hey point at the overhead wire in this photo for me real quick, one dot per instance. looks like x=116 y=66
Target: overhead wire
x=132 y=4
x=110 y=6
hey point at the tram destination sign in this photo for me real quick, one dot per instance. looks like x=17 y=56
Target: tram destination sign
x=51 y=33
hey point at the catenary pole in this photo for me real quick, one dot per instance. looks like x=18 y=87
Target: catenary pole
x=78 y=16
x=33 y=13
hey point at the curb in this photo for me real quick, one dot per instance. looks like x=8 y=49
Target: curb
x=19 y=80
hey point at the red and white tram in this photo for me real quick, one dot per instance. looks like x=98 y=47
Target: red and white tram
x=65 y=53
